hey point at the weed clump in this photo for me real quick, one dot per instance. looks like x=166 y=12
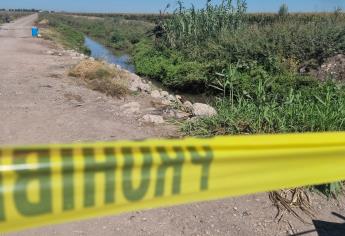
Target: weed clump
x=102 y=77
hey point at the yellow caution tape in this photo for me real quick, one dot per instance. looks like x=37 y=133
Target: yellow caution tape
x=43 y=185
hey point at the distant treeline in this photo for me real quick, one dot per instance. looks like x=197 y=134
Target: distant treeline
x=6 y=16
x=270 y=18
x=20 y=10
x=259 y=18
x=127 y=16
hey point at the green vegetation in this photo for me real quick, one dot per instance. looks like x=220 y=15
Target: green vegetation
x=331 y=190
x=260 y=89
x=62 y=33
x=114 y=32
x=278 y=104
x=253 y=42
x=249 y=64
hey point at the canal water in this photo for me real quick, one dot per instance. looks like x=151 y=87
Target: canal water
x=98 y=51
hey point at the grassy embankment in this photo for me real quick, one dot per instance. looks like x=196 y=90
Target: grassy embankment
x=61 y=33
x=251 y=64
x=115 y=32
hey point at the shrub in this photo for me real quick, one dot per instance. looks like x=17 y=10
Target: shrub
x=171 y=68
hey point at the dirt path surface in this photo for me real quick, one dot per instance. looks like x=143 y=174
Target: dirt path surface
x=39 y=103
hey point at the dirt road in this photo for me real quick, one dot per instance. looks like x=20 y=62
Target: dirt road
x=39 y=103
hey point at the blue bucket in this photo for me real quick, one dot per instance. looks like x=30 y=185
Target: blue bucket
x=34 y=32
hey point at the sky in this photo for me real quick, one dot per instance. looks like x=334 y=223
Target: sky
x=155 y=5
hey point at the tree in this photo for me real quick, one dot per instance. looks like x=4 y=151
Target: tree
x=283 y=10
x=338 y=10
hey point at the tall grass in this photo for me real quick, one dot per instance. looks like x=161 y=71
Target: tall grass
x=193 y=26
x=287 y=104
x=273 y=105
x=208 y=40
x=260 y=89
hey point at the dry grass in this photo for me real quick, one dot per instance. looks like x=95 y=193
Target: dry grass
x=102 y=77
x=294 y=201
x=43 y=23
x=49 y=34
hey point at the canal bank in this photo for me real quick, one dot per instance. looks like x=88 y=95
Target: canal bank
x=123 y=59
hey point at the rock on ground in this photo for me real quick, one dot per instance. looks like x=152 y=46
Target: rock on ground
x=203 y=110
x=164 y=94
x=130 y=108
x=137 y=84
x=156 y=94
x=180 y=115
x=188 y=106
x=154 y=119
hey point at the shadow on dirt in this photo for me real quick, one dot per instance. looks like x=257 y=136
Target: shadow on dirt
x=324 y=228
